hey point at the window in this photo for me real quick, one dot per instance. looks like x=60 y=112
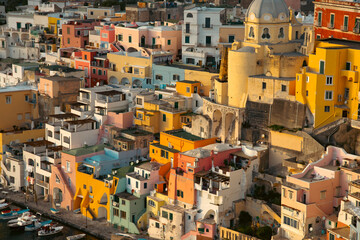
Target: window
x=68 y=30
x=346 y=93
x=189 y=15
x=195 y=89
x=329 y=80
x=14 y=169
x=322 y=195
x=84 y=186
x=78 y=33
x=68 y=40
x=90 y=189
x=327 y=109
x=281 y=33
x=8 y=99
x=187 y=89
x=231 y=38
x=19 y=116
x=307 y=93
x=157 y=225
x=180 y=193
x=148 y=80
x=321 y=67
x=151 y=203
x=307 y=78
x=115 y=212
x=145 y=185
x=158 y=77
x=99 y=72
x=291 y=222
x=94 y=71
x=136 y=71
x=190 y=61
x=348 y=66
x=266 y=34
x=67 y=166
x=328 y=95
x=290 y=194
x=105 y=13
x=283 y=88
x=319 y=18
x=168 y=42
x=123 y=214
x=27 y=116
x=57 y=179
x=137 y=184
x=27 y=97
x=164 y=214
x=176 y=77
x=339 y=98
x=357 y=25
x=187 y=28
x=187 y=39
x=153 y=41
x=130 y=39
x=251 y=32
x=332 y=19
x=171 y=216
x=123 y=202
x=264 y=85
x=346 y=23
x=207 y=22
x=164 y=117
x=164 y=154
x=120 y=37
x=331 y=236
x=12 y=180
x=129 y=181
x=208 y=40
x=91 y=13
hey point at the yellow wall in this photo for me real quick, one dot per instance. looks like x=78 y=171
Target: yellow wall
x=17 y=106
x=181 y=87
x=53 y=22
x=203 y=77
x=98 y=189
x=311 y=85
x=286 y=140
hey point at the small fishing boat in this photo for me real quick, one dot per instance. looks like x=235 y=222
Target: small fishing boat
x=12 y=214
x=48 y=230
x=77 y=211
x=76 y=237
x=36 y=224
x=25 y=216
x=3 y=205
x=7 y=211
x=54 y=211
x=20 y=225
x=2 y=200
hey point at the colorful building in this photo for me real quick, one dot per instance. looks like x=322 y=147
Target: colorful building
x=329 y=84
x=337 y=19
x=76 y=33
x=20 y=105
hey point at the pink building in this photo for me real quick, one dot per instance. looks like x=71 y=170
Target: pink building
x=152 y=38
x=107 y=36
x=63 y=175
x=76 y=33
x=309 y=198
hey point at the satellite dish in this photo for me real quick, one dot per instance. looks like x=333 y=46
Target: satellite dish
x=311 y=229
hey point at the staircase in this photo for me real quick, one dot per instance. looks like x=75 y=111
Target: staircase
x=92 y=214
x=62 y=177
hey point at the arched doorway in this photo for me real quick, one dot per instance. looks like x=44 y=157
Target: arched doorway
x=229 y=126
x=104 y=199
x=113 y=80
x=57 y=195
x=102 y=212
x=210 y=214
x=137 y=83
x=217 y=121
x=143 y=41
x=124 y=81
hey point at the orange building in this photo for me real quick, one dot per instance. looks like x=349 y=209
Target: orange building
x=76 y=33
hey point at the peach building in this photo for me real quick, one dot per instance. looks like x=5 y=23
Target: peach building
x=63 y=175
x=76 y=33
x=152 y=38
x=310 y=198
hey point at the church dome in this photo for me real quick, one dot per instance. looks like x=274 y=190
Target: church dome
x=275 y=8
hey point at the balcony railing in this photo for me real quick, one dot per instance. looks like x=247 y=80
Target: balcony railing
x=330 y=25
x=344 y=28
x=42 y=183
x=81 y=99
x=208 y=26
x=356 y=30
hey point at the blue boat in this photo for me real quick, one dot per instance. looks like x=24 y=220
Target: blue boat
x=12 y=214
x=54 y=211
x=36 y=225
x=77 y=211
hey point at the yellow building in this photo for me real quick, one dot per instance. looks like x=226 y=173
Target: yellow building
x=204 y=77
x=173 y=142
x=19 y=104
x=267 y=54
x=53 y=24
x=20 y=136
x=329 y=85
x=187 y=88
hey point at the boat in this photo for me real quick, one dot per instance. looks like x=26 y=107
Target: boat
x=3 y=205
x=76 y=211
x=12 y=214
x=7 y=211
x=124 y=235
x=36 y=224
x=20 y=225
x=24 y=216
x=2 y=200
x=48 y=230
x=75 y=237
x=54 y=211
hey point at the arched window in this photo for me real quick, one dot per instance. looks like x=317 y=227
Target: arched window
x=265 y=34
x=189 y=15
x=281 y=33
x=251 y=32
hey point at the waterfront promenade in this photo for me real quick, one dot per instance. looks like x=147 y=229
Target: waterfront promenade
x=99 y=228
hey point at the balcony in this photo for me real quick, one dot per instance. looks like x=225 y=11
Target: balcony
x=153 y=46
x=330 y=25
x=317 y=24
x=42 y=183
x=84 y=100
x=344 y=28
x=356 y=30
x=207 y=26
x=31 y=100
x=350 y=75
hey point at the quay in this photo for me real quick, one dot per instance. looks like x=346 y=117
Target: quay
x=98 y=228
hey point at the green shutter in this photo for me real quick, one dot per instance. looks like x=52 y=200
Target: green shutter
x=182 y=194
x=322 y=67
x=332 y=18
x=164 y=117
x=346 y=21
x=178 y=193
x=171 y=216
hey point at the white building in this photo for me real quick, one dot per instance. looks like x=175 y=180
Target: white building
x=18 y=20
x=201 y=36
x=13 y=170
x=218 y=188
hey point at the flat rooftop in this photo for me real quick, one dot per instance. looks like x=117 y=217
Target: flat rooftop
x=59 y=78
x=346 y=43
x=126 y=196
x=135 y=132
x=183 y=134
x=109 y=93
x=85 y=150
x=18 y=88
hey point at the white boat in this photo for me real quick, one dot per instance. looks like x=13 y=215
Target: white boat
x=3 y=205
x=12 y=214
x=24 y=216
x=49 y=230
x=36 y=225
x=2 y=200
x=75 y=237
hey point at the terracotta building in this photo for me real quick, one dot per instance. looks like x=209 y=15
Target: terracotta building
x=76 y=33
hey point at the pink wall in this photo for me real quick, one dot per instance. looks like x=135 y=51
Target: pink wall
x=120 y=120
